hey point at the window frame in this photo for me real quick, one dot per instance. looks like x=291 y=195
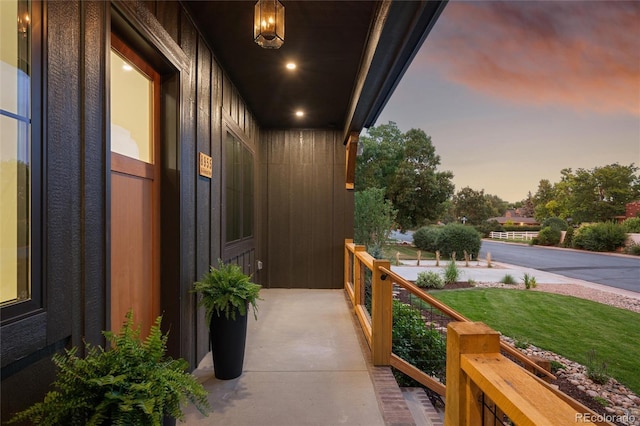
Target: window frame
x=240 y=245
x=35 y=304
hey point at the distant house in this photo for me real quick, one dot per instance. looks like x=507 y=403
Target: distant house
x=514 y=217
x=632 y=209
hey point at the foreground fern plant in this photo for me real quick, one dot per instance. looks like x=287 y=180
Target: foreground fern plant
x=132 y=383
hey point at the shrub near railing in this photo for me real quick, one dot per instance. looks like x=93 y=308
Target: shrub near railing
x=416 y=343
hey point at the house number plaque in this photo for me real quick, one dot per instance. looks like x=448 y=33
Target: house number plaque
x=206 y=165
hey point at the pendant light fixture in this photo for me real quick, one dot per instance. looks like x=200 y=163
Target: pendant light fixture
x=268 y=26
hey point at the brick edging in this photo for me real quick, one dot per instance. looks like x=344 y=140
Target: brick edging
x=393 y=406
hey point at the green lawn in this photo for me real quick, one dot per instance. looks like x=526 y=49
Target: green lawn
x=507 y=240
x=407 y=252
x=565 y=325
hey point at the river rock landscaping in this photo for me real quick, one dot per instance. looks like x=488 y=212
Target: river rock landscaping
x=612 y=400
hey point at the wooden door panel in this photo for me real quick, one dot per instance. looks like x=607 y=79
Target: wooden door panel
x=135 y=193
x=132 y=275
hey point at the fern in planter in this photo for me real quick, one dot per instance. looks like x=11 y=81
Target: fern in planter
x=226 y=290
x=132 y=383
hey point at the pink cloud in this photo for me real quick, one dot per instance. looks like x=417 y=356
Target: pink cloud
x=585 y=55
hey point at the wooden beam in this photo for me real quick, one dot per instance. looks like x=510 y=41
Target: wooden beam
x=351 y=153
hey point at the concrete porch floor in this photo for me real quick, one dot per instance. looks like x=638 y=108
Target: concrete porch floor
x=306 y=363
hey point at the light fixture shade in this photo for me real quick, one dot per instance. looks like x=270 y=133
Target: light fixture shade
x=268 y=25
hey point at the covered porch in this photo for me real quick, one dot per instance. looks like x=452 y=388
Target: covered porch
x=306 y=363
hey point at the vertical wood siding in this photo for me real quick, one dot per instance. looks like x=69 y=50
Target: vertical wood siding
x=77 y=185
x=308 y=211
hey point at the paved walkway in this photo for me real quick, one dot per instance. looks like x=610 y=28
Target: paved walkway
x=304 y=365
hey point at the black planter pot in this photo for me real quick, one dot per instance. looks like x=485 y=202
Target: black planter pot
x=228 y=338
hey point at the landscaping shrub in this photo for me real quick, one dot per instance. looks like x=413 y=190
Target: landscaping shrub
x=518 y=228
x=458 y=238
x=529 y=281
x=632 y=225
x=521 y=342
x=600 y=237
x=568 y=237
x=634 y=249
x=429 y=279
x=508 y=279
x=597 y=369
x=451 y=272
x=549 y=236
x=417 y=344
x=426 y=238
x=486 y=228
x=556 y=365
x=556 y=223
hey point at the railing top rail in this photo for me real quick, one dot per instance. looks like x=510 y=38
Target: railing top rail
x=365 y=258
x=520 y=396
x=416 y=291
x=360 y=252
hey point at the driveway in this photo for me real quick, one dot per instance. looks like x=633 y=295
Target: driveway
x=620 y=271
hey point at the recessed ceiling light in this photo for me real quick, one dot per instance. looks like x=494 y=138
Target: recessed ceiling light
x=291 y=66
x=299 y=113
x=127 y=67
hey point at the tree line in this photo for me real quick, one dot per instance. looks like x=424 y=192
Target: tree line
x=403 y=168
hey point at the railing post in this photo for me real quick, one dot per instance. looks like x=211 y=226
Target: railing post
x=358 y=289
x=381 y=314
x=463 y=406
x=347 y=261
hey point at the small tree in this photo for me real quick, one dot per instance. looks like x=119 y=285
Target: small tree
x=374 y=218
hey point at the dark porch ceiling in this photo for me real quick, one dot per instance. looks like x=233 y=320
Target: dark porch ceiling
x=327 y=40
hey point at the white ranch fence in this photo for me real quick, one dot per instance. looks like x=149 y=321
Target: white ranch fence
x=516 y=235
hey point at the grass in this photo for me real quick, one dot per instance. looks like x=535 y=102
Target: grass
x=509 y=240
x=565 y=325
x=407 y=252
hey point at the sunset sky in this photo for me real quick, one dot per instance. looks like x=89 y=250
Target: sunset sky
x=513 y=92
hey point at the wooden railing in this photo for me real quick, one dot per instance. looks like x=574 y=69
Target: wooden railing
x=487 y=374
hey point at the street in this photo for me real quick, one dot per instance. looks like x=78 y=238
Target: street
x=615 y=271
